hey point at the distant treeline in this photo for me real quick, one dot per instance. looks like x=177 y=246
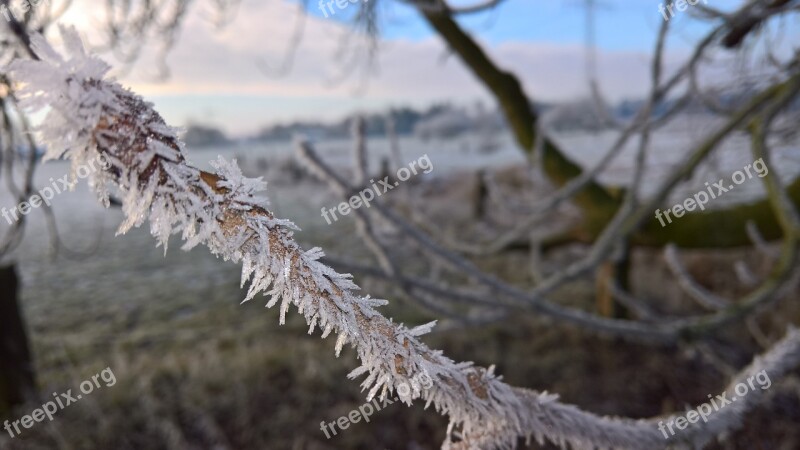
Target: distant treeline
x=445 y=119
x=405 y=121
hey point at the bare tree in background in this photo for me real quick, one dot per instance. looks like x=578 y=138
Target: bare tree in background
x=760 y=89
x=614 y=219
x=484 y=411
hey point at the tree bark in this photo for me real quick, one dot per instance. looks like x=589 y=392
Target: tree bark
x=17 y=377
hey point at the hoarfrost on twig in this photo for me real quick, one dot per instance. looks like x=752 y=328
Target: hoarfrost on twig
x=90 y=116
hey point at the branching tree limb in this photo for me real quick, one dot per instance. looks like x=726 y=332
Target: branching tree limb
x=598 y=203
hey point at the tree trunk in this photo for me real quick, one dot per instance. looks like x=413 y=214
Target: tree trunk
x=17 y=379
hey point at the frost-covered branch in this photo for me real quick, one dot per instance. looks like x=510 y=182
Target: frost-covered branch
x=90 y=116
x=695 y=291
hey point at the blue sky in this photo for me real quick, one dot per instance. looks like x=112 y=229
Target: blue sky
x=620 y=24
x=545 y=21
